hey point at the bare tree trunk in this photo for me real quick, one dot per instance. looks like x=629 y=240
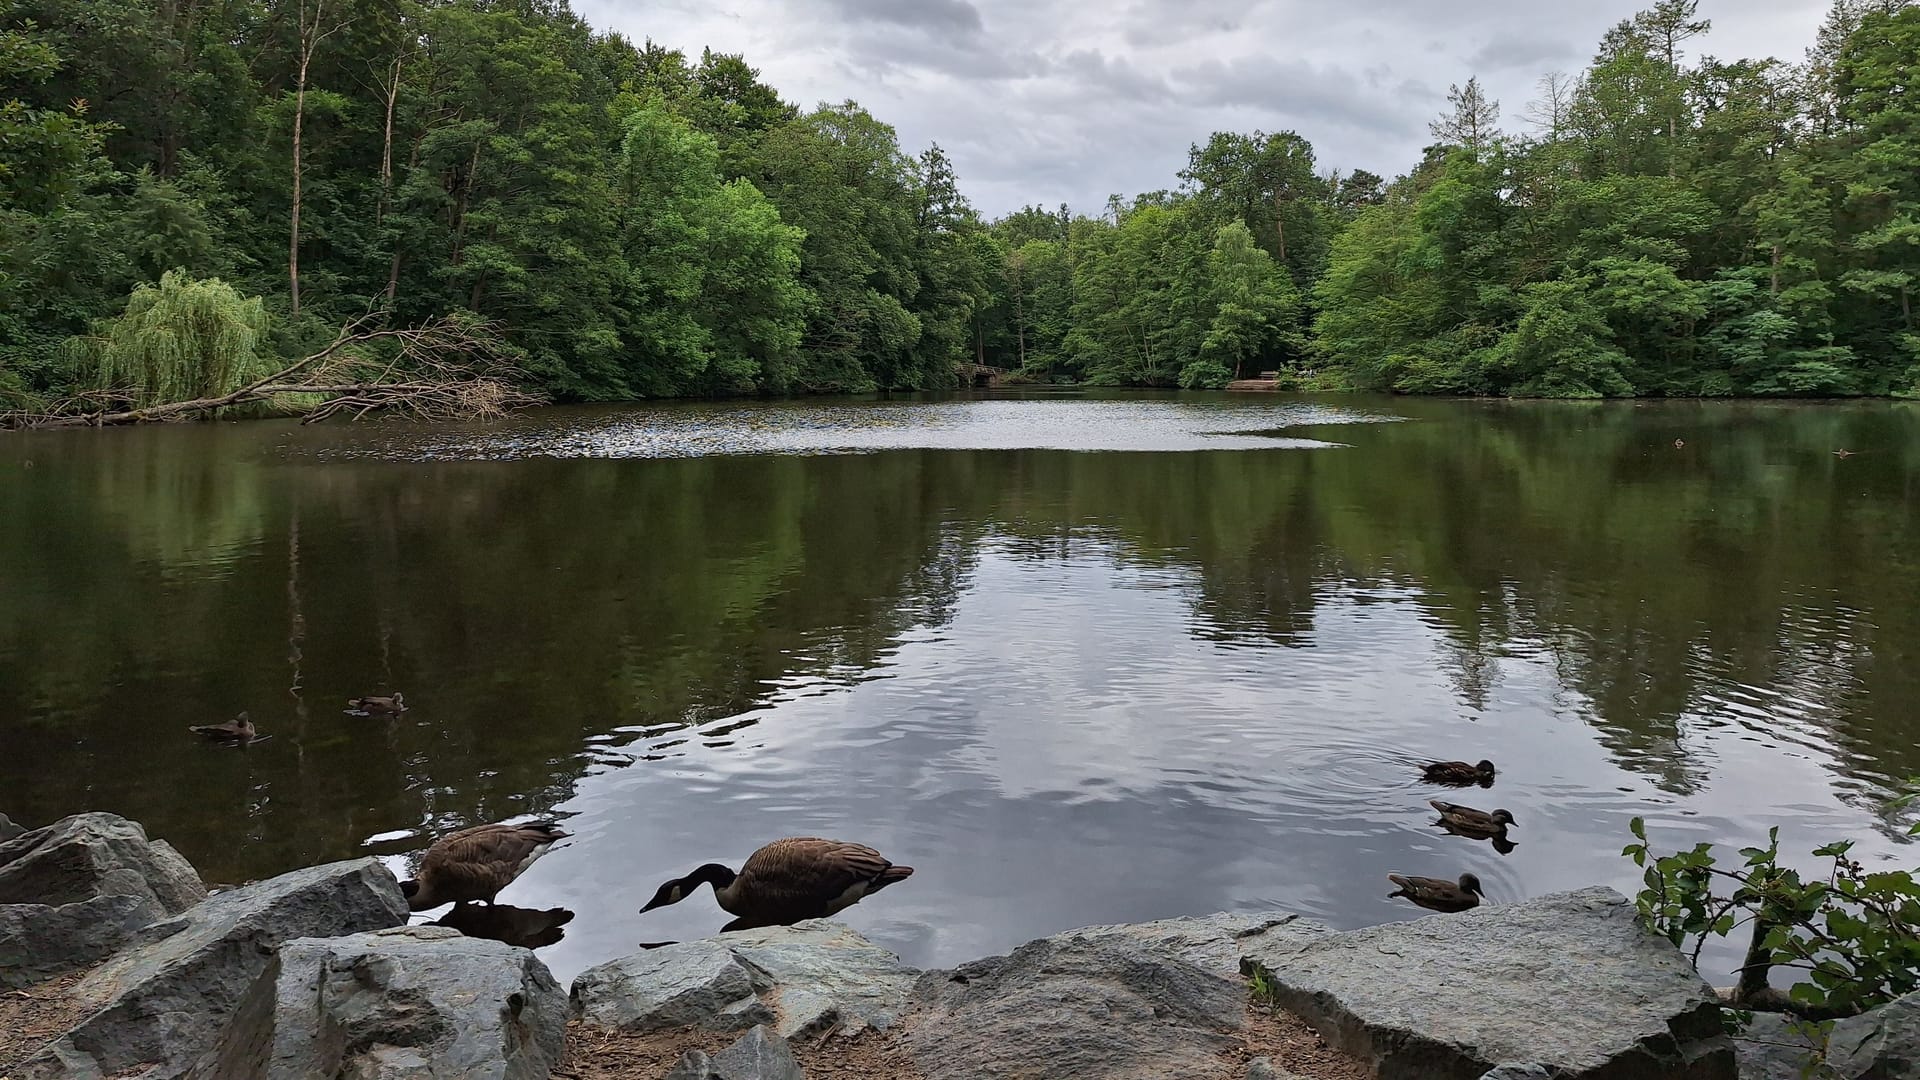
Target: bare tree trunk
x=1280 y=228
x=386 y=143
x=310 y=38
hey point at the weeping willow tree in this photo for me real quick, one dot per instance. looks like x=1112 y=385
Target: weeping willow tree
x=178 y=340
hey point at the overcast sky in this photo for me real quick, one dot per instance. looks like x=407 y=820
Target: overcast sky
x=1044 y=101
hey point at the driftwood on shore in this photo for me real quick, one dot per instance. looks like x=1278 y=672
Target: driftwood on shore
x=446 y=369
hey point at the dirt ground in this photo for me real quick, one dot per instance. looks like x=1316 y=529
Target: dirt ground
x=30 y=1017
x=593 y=1054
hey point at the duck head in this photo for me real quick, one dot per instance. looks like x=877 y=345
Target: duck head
x=1469 y=883
x=680 y=888
x=244 y=723
x=1501 y=817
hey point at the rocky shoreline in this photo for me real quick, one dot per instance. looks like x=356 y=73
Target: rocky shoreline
x=117 y=963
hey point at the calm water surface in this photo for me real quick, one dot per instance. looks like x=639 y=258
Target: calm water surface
x=1076 y=659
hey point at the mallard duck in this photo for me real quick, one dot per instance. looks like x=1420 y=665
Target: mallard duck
x=380 y=705
x=1458 y=773
x=1438 y=894
x=1470 y=822
x=237 y=730
x=476 y=863
x=801 y=877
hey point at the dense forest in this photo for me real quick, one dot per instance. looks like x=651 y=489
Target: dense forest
x=193 y=191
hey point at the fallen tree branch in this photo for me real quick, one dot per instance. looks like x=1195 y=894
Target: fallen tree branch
x=447 y=369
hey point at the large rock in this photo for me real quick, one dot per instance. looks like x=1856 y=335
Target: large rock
x=1115 y=1003
x=758 y=1055
x=1882 y=1044
x=1774 y=1046
x=74 y=892
x=422 y=1002
x=1568 y=982
x=157 y=1006
x=9 y=828
x=799 y=979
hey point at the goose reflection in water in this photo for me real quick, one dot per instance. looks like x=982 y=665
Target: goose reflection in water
x=525 y=927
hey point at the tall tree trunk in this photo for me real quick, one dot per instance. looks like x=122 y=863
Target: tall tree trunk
x=1776 y=271
x=310 y=35
x=393 y=265
x=1280 y=228
x=386 y=143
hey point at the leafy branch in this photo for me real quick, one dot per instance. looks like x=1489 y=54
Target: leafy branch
x=1855 y=933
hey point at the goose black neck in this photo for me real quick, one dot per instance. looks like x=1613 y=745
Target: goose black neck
x=711 y=874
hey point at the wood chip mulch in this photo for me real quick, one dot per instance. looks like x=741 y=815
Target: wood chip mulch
x=30 y=1018
x=594 y=1054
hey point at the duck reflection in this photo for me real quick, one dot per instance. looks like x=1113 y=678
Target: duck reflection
x=520 y=926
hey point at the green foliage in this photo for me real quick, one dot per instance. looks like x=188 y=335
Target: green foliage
x=178 y=340
x=642 y=223
x=1854 y=933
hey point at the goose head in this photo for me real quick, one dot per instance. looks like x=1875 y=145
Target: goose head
x=680 y=888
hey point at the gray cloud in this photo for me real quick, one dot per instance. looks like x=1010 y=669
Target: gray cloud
x=1048 y=101
x=1504 y=52
x=931 y=15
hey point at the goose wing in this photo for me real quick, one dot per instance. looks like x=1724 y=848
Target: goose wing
x=480 y=861
x=806 y=877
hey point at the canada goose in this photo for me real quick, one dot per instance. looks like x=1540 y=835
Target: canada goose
x=476 y=863
x=1470 y=822
x=801 y=877
x=380 y=705
x=1459 y=773
x=1438 y=894
x=237 y=730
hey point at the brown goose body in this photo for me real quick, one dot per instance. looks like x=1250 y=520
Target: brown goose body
x=1466 y=821
x=475 y=864
x=1458 y=773
x=237 y=730
x=1438 y=894
x=390 y=706
x=787 y=881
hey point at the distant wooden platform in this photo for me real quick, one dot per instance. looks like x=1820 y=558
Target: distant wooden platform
x=1255 y=386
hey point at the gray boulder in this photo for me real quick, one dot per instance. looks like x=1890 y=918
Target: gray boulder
x=696 y=984
x=76 y=891
x=1778 y=1047
x=1881 y=1044
x=9 y=829
x=413 y=1001
x=159 y=1005
x=1568 y=982
x=798 y=979
x=758 y=1055
x=1107 y=1002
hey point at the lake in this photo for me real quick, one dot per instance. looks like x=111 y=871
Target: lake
x=1077 y=658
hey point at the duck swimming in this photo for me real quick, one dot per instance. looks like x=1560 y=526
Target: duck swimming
x=1438 y=894
x=380 y=706
x=240 y=729
x=1458 y=773
x=1467 y=821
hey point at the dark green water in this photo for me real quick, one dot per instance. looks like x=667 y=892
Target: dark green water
x=1077 y=660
